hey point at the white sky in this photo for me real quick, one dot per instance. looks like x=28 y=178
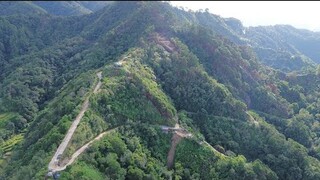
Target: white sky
x=300 y=14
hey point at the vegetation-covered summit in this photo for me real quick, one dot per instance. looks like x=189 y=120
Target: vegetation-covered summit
x=161 y=66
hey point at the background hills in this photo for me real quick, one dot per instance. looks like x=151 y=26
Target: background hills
x=60 y=8
x=249 y=96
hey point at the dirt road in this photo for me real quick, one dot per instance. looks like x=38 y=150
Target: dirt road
x=99 y=74
x=81 y=150
x=178 y=134
x=174 y=142
x=53 y=165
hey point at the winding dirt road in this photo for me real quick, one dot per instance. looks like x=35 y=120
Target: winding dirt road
x=178 y=135
x=82 y=149
x=53 y=165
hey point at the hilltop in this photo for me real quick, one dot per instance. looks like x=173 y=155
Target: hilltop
x=179 y=95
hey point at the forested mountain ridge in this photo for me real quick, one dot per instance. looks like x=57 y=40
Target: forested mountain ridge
x=59 y=8
x=282 y=46
x=160 y=66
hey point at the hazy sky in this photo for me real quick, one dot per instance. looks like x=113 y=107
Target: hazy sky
x=300 y=14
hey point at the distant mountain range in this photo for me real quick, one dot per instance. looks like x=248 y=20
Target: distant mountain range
x=59 y=8
x=282 y=46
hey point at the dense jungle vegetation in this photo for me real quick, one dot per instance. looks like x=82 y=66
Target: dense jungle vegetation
x=253 y=110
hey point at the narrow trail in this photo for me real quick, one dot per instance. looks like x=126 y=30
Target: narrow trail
x=53 y=165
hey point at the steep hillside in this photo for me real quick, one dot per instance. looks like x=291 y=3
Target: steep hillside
x=63 y=8
x=10 y=8
x=176 y=99
x=285 y=46
x=282 y=47
x=94 y=5
x=59 y=8
x=304 y=41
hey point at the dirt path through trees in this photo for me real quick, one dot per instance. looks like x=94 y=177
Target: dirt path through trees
x=174 y=142
x=53 y=165
x=82 y=149
x=178 y=135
